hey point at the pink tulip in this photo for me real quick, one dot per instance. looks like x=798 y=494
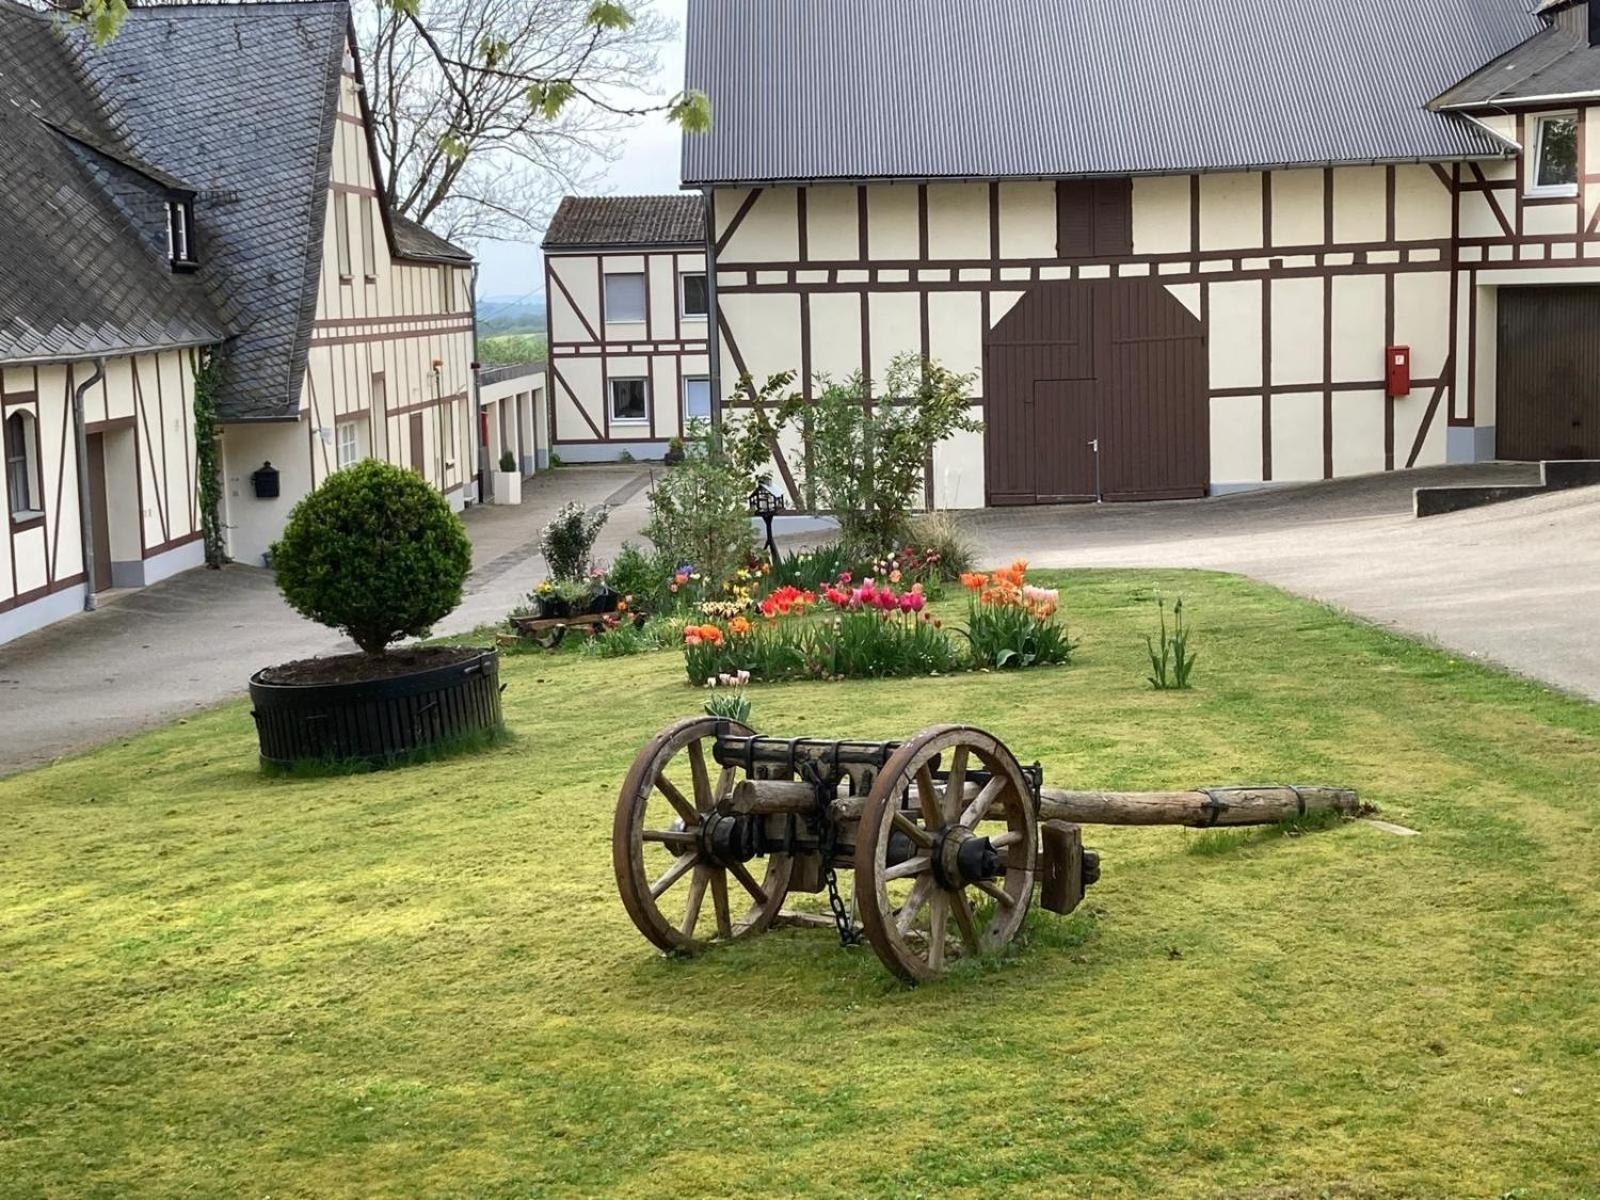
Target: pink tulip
x=917 y=601
x=906 y=603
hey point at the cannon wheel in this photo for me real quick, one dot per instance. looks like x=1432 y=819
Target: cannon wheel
x=662 y=874
x=914 y=922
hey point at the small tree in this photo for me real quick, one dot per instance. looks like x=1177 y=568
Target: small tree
x=699 y=511
x=374 y=552
x=568 y=541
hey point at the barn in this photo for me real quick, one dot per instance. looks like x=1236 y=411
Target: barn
x=1181 y=250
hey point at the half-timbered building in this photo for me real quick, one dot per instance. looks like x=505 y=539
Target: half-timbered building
x=628 y=305
x=204 y=184
x=1180 y=249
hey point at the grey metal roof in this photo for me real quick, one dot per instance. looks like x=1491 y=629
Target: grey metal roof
x=528 y=370
x=918 y=89
x=239 y=100
x=78 y=278
x=1557 y=61
x=581 y=221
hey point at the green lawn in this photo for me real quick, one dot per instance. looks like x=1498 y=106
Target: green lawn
x=421 y=983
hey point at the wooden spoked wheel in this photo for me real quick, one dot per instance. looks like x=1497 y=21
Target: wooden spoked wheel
x=681 y=898
x=919 y=913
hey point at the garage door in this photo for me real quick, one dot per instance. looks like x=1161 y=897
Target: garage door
x=1096 y=389
x=1548 y=393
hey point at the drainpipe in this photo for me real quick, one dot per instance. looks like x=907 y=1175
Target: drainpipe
x=713 y=332
x=474 y=399
x=85 y=511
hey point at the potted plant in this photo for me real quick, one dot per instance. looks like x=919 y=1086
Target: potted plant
x=675 y=452
x=376 y=553
x=508 y=480
x=557 y=598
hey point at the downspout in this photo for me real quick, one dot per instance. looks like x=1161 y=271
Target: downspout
x=713 y=332
x=85 y=511
x=475 y=408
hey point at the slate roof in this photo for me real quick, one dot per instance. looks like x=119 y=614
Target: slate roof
x=77 y=281
x=583 y=221
x=412 y=240
x=236 y=103
x=1556 y=61
x=240 y=101
x=923 y=89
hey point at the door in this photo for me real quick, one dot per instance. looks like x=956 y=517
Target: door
x=417 y=462
x=1548 y=386
x=1066 y=430
x=99 y=511
x=1116 y=363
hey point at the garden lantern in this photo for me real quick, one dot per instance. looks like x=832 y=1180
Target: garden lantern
x=766 y=504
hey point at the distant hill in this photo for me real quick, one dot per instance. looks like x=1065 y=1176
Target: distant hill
x=510 y=314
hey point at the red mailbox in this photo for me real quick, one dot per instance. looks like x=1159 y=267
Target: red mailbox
x=1397 y=370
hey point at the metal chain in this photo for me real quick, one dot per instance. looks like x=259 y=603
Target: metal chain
x=827 y=841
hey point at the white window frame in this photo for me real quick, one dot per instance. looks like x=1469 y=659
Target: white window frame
x=346 y=437
x=687 y=415
x=1535 y=188
x=611 y=306
x=180 y=234
x=369 y=240
x=683 y=304
x=611 y=400
x=22 y=464
x=341 y=235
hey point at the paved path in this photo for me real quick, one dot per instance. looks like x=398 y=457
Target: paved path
x=192 y=641
x=1517 y=584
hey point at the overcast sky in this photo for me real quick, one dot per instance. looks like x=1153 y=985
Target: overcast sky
x=648 y=164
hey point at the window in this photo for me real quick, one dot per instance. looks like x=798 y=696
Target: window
x=1555 y=165
x=22 y=465
x=625 y=297
x=341 y=232
x=630 y=402
x=696 y=400
x=347 y=442
x=180 y=233
x=369 y=242
x=695 y=302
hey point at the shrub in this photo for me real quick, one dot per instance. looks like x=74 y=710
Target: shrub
x=865 y=451
x=1171 y=664
x=1011 y=624
x=568 y=541
x=508 y=461
x=699 y=518
x=639 y=575
x=620 y=639
x=375 y=552
x=939 y=539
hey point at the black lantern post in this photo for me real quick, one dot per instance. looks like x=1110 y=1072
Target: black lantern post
x=766 y=504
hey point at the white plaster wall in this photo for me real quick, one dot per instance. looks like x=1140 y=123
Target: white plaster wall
x=1358 y=328
x=1161 y=214
x=958 y=220
x=1297 y=436
x=1236 y=439
x=1230 y=211
x=1235 y=347
x=1358 y=422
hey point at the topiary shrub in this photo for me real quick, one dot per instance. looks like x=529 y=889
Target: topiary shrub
x=374 y=552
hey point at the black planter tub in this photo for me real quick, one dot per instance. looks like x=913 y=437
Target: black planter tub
x=378 y=720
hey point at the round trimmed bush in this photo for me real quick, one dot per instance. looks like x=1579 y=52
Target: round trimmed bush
x=374 y=552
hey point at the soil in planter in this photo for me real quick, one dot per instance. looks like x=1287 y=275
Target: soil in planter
x=364 y=668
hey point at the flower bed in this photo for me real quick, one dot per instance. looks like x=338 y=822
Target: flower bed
x=873 y=630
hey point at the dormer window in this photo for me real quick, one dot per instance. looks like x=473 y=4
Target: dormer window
x=1555 y=157
x=181 y=250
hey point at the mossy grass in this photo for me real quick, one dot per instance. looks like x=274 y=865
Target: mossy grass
x=475 y=742
x=421 y=982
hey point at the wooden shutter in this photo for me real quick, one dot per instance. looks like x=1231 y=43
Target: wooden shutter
x=1113 y=217
x=1075 y=218
x=1094 y=218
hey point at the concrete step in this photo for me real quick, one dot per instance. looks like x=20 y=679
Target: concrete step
x=1555 y=476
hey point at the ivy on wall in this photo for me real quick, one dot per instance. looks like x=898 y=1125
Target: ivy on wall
x=208 y=459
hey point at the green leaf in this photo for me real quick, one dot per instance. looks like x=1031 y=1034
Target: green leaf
x=453 y=146
x=608 y=14
x=404 y=7
x=550 y=98
x=692 y=111
x=494 y=51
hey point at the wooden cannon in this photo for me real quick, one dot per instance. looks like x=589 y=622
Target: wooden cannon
x=947 y=834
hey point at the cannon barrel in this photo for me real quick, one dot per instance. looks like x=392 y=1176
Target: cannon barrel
x=1202 y=809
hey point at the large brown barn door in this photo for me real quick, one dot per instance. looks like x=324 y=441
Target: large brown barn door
x=1548 y=393
x=1118 y=364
